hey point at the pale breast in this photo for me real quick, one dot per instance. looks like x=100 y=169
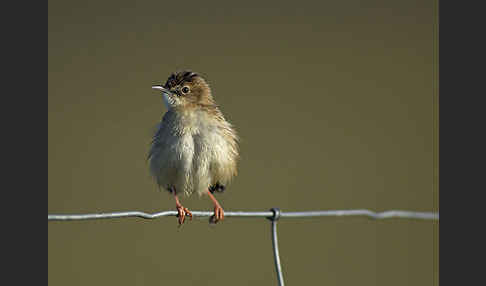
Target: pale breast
x=193 y=152
x=171 y=156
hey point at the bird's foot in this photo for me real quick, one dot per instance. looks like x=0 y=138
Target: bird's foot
x=182 y=212
x=218 y=214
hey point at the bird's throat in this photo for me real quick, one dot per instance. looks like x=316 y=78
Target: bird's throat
x=167 y=100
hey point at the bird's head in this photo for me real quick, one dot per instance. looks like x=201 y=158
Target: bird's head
x=184 y=89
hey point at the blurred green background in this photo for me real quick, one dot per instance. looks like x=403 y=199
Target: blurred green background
x=335 y=103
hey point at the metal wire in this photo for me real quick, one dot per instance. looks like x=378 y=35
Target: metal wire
x=278 y=266
x=267 y=214
x=276 y=254
x=274 y=214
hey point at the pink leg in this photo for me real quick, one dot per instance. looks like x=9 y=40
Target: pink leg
x=182 y=211
x=218 y=210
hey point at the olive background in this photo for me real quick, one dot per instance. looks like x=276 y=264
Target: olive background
x=336 y=106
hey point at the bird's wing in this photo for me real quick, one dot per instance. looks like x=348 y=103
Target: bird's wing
x=158 y=137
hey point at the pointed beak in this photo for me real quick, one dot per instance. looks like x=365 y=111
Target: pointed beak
x=161 y=88
x=167 y=95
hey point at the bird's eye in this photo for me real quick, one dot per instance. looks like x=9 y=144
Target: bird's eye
x=185 y=89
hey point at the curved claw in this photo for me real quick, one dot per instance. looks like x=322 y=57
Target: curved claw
x=218 y=214
x=182 y=212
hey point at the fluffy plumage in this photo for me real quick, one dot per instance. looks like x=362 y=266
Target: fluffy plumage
x=194 y=148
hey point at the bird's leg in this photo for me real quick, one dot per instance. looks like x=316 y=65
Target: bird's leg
x=182 y=211
x=218 y=210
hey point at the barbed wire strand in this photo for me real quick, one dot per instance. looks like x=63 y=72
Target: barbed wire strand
x=274 y=214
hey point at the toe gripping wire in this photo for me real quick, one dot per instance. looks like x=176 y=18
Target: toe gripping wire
x=278 y=267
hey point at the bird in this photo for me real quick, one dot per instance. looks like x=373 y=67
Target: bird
x=194 y=149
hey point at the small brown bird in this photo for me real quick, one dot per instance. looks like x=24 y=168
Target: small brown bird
x=194 y=149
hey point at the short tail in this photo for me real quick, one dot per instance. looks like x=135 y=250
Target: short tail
x=217 y=188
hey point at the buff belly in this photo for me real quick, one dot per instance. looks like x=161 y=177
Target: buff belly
x=192 y=161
